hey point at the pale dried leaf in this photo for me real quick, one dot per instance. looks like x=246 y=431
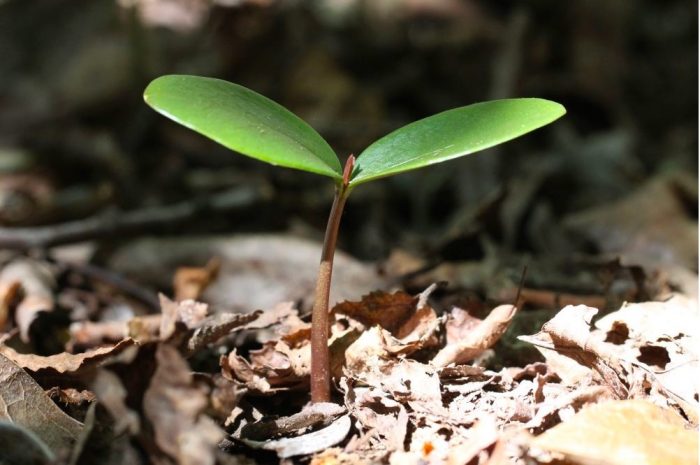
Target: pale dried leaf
x=174 y=406
x=480 y=338
x=620 y=433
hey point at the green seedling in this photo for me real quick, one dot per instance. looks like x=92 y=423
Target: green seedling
x=253 y=125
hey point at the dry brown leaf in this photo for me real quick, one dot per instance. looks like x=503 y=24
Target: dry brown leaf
x=621 y=433
x=88 y=334
x=387 y=310
x=188 y=322
x=379 y=417
x=312 y=415
x=24 y=402
x=569 y=334
x=268 y=371
x=555 y=409
x=37 y=284
x=190 y=282
x=189 y=313
x=418 y=332
x=215 y=327
x=70 y=363
x=476 y=340
x=174 y=406
x=111 y=393
x=309 y=443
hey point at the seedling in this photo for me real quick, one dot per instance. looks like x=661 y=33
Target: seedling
x=253 y=125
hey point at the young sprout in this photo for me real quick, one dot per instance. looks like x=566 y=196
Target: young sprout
x=253 y=125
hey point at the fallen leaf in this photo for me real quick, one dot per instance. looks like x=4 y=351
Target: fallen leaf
x=23 y=402
x=378 y=416
x=477 y=339
x=569 y=334
x=190 y=282
x=174 y=406
x=309 y=443
x=111 y=393
x=70 y=363
x=189 y=313
x=313 y=415
x=215 y=327
x=482 y=435
x=660 y=337
x=620 y=433
x=387 y=310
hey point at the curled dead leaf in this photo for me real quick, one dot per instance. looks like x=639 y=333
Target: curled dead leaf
x=470 y=343
x=37 y=284
x=71 y=363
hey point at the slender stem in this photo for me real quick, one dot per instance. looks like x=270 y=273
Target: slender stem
x=320 y=357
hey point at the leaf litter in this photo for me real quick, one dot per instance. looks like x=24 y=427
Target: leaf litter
x=418 y=380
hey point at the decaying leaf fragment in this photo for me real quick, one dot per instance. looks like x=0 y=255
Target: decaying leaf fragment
x=569 y=334
x=477 y=339
x=661 y=338
x=621 y=433
x=174 y=406
x=23 y=402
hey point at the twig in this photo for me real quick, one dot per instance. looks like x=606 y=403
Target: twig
x=113 y=223
x=116 y=281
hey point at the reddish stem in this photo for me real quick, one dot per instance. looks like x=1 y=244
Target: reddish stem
x=320 y=357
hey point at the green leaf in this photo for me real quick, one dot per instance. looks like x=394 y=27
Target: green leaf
x=244 y=121
x=452 y=134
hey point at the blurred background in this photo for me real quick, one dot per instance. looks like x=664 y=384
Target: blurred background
x=609 y=189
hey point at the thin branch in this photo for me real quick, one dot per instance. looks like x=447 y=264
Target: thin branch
x=116 y=223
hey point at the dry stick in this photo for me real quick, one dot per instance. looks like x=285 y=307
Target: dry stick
x=320 y=357
x=131 y=222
